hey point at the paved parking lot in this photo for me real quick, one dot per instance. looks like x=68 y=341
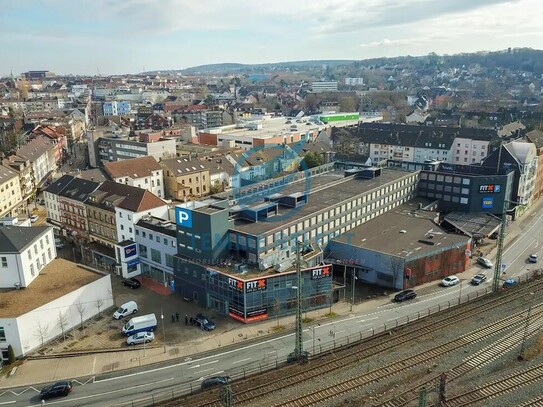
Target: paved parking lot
x=105 y=332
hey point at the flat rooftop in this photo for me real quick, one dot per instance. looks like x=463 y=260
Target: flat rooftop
x=325 y=190
x=275 y=127
x=58 y=278
x=399 y=232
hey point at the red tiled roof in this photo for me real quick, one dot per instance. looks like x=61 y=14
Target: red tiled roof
x=133 y=167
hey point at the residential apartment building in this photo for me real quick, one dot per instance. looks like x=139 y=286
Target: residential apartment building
x=324 y=86
x=42 y=154
x=185 y=178
x=143 y=172
x=73 y=211
x=116 y=108
x=521 y=157
x=51 y=196
x=24 y=252
x=114 y=208
x=157 y=245
x=11 y=202
x=409 y=143
x=26 y=177
x=536 y=137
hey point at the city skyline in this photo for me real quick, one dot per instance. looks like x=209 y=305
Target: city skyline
x=107 y=37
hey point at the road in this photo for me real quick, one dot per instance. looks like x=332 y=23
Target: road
x=114 y=390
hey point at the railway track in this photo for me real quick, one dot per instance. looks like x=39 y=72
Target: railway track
x=475 y=361
x=498 y=387
x=408 y=363
x=535 y=402
x=251 y=389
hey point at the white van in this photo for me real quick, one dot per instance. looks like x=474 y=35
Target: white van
x=126 y=309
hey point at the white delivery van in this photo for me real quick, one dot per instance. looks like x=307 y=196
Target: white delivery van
x=126 y=309
x=145 y=323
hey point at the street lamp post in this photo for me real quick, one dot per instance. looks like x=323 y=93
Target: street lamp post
x=163 y=329
x=354 y=282
x=460 y=296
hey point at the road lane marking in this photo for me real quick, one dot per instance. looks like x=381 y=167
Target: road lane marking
x=7 y=402
x=242 y=360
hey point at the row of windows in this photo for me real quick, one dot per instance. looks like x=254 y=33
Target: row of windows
x=144 y=234
x=156 y=255
x=445 y=178
x=444 y=188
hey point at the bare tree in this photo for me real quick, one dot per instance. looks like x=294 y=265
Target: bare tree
x=41 y=332
x=99 y=305
x=62 y=322
x=81 y=311
x=396 y=267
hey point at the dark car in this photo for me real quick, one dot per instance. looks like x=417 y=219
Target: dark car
x=131 y=282
x=58 y=389
x=510 y=282
x=204 y=323
x=405 y=295
x=215 y=381
x=478 y=279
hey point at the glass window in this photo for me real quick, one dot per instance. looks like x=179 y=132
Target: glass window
x=464 y=201
x=2 y=334
x=4 y=261
x=466 y=181
x=169 y=260
x=143 y=251
x=155 y=256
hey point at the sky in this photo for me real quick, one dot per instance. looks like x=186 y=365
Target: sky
x=129 y=36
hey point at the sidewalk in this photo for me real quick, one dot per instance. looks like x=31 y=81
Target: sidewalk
x=36 y=371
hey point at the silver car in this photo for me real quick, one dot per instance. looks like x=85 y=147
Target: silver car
x=140 y=337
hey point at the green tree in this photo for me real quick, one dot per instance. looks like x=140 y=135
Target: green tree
x=348 y=104
x=311 y=160
x=11 y=355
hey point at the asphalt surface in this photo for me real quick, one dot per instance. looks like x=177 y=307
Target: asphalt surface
x=124 y=387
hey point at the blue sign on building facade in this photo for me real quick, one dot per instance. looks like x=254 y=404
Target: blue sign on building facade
x=183 y=217
x=488 y=202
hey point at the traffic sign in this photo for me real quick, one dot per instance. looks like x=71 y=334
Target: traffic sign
x=504 y=266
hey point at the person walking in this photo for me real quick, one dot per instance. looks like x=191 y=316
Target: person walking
x=177 y=316
x=190 y=319
x=42 y=402
x=186 y=320
x=173 y=317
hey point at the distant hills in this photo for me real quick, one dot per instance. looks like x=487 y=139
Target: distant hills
x=525 y=59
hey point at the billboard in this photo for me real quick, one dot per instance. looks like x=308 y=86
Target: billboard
x=130 y=251
x=250 y=286
x=319 y=271
x=490 y=189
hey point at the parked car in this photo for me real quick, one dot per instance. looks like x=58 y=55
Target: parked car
x=62 y=388
x=532 y=258
x=201 y=321
x=405 y=295
x=215 y=381
x=494 y=236
x=510 y=282
x=131 y=282
x=140 y=337
x=478 y=279
x=485 y=262
x=34 y=218
x=449 y=281
x=128 y=308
